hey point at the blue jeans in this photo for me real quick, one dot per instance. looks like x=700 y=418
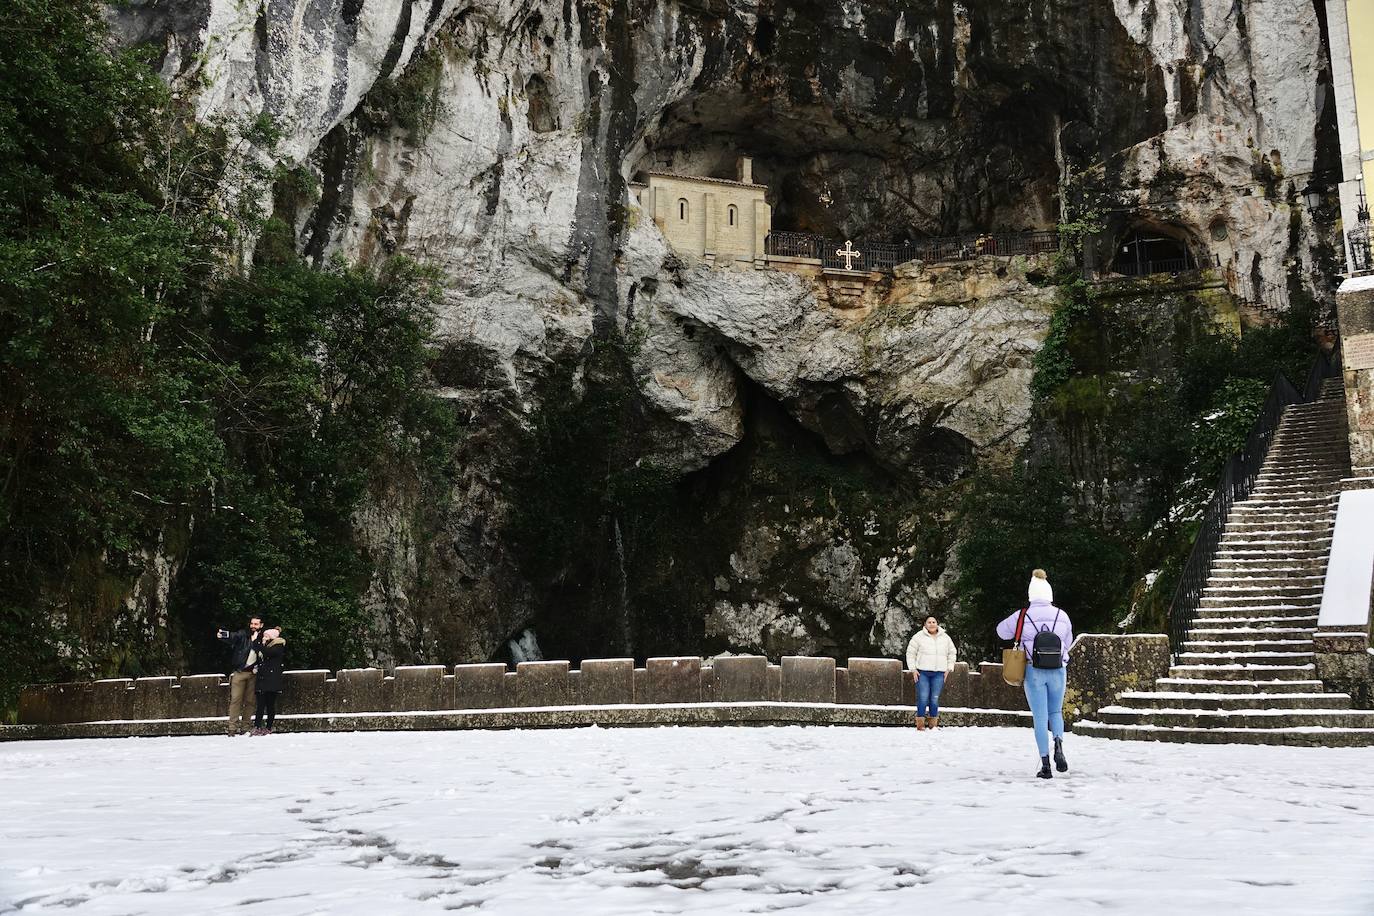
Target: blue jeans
x=1045 y=694
x=928 y=687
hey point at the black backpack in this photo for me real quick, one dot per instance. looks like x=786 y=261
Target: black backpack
x=1047 y=651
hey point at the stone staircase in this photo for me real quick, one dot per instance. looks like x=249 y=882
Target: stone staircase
x=1246 y=673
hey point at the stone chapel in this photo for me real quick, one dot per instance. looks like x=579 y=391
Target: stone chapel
x=721 y=221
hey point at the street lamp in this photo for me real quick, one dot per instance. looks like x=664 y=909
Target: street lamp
x=1312 y=195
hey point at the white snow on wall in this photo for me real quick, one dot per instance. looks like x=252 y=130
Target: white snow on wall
x=1350 y=571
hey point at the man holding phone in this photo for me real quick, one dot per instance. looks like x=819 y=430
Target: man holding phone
x=245 y=649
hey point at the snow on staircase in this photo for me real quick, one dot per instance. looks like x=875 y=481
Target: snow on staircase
x=1246 y=673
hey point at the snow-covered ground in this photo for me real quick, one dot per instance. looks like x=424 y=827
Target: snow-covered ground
x=669 y=820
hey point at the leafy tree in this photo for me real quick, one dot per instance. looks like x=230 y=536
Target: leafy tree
x=155 y=397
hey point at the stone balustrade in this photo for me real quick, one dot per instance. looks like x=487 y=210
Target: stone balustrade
x=1102 y=664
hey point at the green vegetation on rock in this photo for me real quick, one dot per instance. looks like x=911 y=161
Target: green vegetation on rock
x=161 y=409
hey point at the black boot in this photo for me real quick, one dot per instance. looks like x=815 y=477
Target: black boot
x=1045 y=769
x=1061 y=763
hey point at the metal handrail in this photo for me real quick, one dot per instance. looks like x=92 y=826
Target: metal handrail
x=1236 y=482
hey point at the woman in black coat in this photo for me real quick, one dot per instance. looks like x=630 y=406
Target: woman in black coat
x=269 y=682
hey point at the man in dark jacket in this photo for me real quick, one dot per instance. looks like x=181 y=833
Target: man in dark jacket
x=245 y=649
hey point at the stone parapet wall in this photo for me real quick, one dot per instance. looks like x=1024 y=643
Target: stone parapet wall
x=760 y=713
x=598 y=682
x=1102 y=664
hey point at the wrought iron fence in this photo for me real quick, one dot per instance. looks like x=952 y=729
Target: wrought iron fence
x=885 y=256
x=1236 y=482
x=1149 y=268
x=1361 y=257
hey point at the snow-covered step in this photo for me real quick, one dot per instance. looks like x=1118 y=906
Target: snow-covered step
x=1260 y=602
x=1280 y=523
x=1215 y=646
x=1238 y=718
x=1244 y=540
x=1291 y=737
x=1222 y=621
x=1285 y=616
x=1238 y=685
x=1243 y=672
x=1274 y=563
x=1231 y=578
x=1211 y=634
x=1162 y=699
x=1243 y=657
x=1281 y=588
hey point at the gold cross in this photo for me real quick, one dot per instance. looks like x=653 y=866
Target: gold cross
x=848 y=254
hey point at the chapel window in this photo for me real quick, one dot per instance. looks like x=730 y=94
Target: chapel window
x=682 y=208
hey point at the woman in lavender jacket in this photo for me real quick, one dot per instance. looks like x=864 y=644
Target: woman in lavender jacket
x=1044 y=686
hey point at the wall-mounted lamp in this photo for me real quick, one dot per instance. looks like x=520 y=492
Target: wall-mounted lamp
x=1312 y=196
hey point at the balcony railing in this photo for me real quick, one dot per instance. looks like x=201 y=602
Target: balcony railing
x=1357 y=240
x=884 y=256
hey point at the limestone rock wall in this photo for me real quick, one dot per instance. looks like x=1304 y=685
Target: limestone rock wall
x=864 y=117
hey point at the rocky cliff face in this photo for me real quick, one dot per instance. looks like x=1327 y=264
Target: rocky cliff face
x=495 y=139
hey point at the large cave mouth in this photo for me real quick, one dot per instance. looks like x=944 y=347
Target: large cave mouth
x=832 y=172
x=1153 y=249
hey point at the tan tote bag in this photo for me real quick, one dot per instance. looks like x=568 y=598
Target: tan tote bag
x=1014 y=659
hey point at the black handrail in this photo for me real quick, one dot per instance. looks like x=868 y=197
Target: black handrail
x=1236 y=483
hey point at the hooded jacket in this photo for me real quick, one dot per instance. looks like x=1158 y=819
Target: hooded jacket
x=931 y=653
x=270 y=669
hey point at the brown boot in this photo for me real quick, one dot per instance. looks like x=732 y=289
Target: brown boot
x=920 y=724
x=933 y=723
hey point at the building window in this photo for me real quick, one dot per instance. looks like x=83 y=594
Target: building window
x=732 y=214
x=682 y=208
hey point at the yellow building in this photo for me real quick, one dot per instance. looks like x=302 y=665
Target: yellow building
x=1351 y=27
x=721 y=221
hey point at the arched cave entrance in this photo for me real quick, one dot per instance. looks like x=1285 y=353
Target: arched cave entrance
x=1147 y=250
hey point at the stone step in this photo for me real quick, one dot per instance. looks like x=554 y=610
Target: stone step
x=1279 y=659
x=1275 y=543
x=1237 y=685
x=1228 y=588
x=1260 y=601
x=1156 y=699
x=1238 y=718
x=1313 y=557
x=1251 y=514
x=1265 y=561
x=1227 y=578
x=1335 y=446
x=1317 y=434
x=1214 y=621
x=1243 y=634
x=1275 y=494
x=1242 y=672
x=1290 y=737
x=1259 y=611
x=1192 y=647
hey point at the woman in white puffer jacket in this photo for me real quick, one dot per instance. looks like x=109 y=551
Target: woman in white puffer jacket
x=930 y=655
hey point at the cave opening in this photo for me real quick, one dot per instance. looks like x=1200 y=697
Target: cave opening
x=831 y=173
x=1147 y=250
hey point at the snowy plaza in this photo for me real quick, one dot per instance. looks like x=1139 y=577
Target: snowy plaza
x=680 y=820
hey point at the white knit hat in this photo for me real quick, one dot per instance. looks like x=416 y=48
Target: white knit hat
x=1039 y=589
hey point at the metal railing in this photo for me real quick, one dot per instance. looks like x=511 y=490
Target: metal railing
x=1235 y=484
x=1361 y=257
x=1149 y=268
x=885 y=256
